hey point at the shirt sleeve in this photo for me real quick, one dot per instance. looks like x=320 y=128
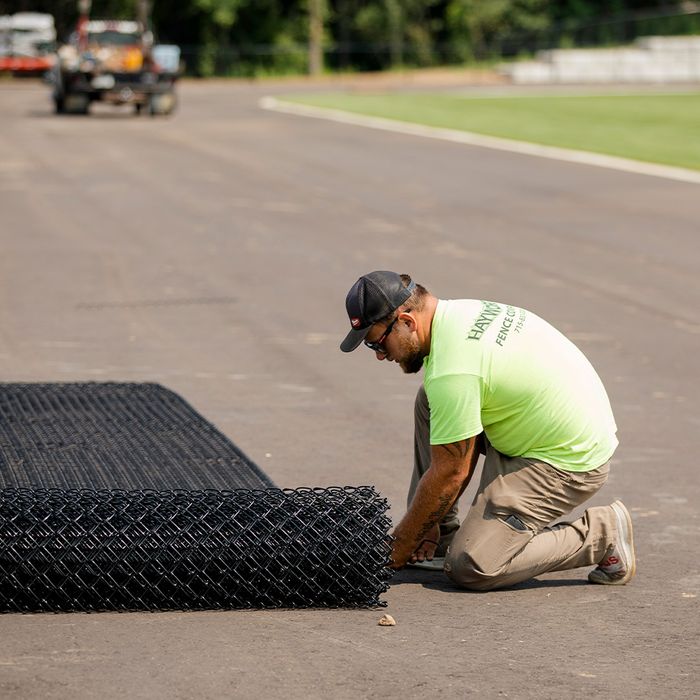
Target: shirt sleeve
x=455 y=408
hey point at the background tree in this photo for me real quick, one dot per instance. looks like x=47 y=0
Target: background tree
x=255 y=37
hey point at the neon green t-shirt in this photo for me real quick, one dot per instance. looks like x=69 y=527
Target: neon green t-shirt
x=504 y=370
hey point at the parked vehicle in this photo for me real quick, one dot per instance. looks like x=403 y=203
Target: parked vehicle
x=114 y=61
x=27 y=43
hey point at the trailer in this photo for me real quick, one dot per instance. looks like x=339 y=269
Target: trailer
x=27 y=43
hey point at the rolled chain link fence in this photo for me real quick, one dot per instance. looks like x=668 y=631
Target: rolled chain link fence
x=77 y=534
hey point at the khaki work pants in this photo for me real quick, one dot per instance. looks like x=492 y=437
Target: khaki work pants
x=507 y=536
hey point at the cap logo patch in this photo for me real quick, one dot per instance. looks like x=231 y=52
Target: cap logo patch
x=355 y=322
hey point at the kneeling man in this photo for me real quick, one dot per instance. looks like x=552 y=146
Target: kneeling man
x=501 y=381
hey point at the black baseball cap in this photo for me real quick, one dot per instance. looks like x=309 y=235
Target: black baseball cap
x=370 y=299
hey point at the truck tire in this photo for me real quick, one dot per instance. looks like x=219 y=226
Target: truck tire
x=76 y=103
x=55 y=78
x=162 y=104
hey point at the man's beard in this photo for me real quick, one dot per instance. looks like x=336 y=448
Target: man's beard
x=413 y=356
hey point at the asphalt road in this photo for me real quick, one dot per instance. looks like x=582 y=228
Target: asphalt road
x=211 y=252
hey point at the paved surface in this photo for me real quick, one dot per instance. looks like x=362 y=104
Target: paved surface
x=211 y=252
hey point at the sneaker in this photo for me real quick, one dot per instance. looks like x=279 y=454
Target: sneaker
x=619 y=564
x=434 y=564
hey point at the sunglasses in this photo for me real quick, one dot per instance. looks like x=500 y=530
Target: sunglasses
x=378 y=345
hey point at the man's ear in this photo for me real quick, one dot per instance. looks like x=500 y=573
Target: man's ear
x=408 y=319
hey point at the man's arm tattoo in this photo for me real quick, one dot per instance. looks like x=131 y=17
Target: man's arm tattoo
x=457 y=450
x=435 y=517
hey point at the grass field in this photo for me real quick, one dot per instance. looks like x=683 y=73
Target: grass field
x=656 y=128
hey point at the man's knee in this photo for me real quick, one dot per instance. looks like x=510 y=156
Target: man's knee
x=481 y=555
x=465 y=573
x=421 y=407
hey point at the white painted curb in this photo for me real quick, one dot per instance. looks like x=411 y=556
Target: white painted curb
x=467 y=137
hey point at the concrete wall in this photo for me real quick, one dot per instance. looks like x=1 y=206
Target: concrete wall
x=654 y=59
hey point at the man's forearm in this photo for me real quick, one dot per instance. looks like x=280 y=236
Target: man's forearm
x=433 y=499
x=450 y=471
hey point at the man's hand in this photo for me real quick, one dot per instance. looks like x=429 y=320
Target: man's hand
x=426 y=549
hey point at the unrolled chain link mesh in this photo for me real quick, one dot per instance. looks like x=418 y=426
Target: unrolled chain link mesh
x=116 y=436
x=112 y=499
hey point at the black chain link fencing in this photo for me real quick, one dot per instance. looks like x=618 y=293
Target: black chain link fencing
x=67 y=550
x=109 y=435
x=122 y=497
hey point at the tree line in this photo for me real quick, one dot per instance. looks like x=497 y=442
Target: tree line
x=253 y=37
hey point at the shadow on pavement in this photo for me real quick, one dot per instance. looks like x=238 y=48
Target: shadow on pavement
x=437 y=580
x=116 y=114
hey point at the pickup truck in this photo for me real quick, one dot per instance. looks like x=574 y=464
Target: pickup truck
x=110 y=61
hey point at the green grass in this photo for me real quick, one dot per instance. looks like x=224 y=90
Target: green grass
x=655 y=128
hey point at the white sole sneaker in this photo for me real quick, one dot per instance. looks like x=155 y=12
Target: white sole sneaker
x=434 y=564
x=625 y=548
